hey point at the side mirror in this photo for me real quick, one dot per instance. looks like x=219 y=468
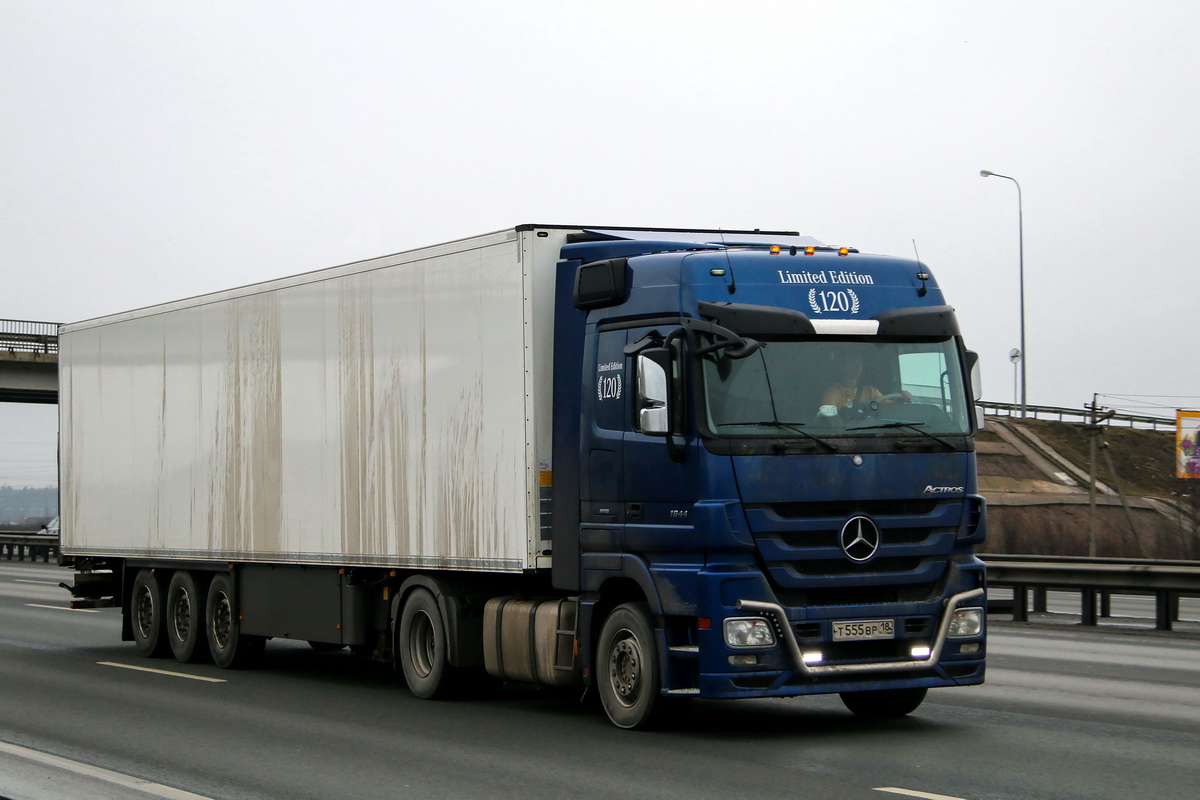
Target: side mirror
x=976 y=386
x=654 y=391
x=976 y=374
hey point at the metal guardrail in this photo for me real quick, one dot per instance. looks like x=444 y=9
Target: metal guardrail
x=24 y=336
x=1095 y=579
x=33 y=545
x=1084 y=414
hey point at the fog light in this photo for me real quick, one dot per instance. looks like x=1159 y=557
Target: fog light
x=813 y=657
x=969 y=649
x=920 y=652
x=743 y=660
x=749 y=632
x=966 y=622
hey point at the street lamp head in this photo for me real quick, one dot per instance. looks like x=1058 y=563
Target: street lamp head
x=984 y=173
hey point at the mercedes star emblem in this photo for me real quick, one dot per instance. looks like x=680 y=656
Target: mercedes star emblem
x=859 y=539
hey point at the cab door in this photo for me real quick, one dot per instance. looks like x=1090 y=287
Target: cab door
x=606 y=395
x=659 y=476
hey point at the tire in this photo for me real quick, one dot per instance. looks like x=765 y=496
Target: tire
x=184 y=624
x=884 y=704
x=230 y=649
x=627 y=668
x=421 y=646
x=146 y=615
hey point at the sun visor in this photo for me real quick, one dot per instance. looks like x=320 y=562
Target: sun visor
x=921 y=321
x=750 y=320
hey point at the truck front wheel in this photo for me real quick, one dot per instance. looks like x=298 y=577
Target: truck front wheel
x=146 y=615
x=230 y=649
x=421 y=645
x=883 y=704
x=627 y=668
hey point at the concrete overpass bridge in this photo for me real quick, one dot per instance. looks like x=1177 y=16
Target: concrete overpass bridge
x=28 y=361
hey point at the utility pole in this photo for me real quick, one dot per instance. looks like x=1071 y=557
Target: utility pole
x=1092 y=429
x=1094 y=433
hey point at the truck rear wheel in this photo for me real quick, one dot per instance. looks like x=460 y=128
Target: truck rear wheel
x=185 y=618
x=230 y=648
x=421 y=646
x=883 y=704
x=627 y=668
x=147 y=615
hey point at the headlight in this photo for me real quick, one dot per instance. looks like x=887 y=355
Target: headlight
x=966 y=622
x=749 y=632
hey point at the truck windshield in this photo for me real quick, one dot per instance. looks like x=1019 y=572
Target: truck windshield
x=834 y=386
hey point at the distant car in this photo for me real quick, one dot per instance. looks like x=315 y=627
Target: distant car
x=50 y=528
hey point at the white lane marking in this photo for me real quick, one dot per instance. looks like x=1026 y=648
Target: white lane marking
x=64 y=608
x=43 y=583
x=108 y=776
x=162 y=672
x=915 y=793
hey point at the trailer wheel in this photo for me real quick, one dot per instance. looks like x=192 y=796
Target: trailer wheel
x=883 y=704
x=627 y=668
x=230 y=648
x=421 y=645
x=146 y=615
x=185 y=618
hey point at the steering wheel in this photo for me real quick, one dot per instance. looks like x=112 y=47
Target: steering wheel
x=874 y=406
x=894 y=396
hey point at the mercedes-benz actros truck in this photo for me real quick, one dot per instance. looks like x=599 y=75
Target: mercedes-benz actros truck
x=660 y=463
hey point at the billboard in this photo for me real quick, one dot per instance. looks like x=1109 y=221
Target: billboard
x=1187 y=444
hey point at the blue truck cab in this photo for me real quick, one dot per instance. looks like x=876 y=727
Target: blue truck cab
x=765 y=480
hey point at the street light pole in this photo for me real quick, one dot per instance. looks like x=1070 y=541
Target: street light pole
x=1021 y=245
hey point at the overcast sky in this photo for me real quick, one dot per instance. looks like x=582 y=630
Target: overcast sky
x=154 y=150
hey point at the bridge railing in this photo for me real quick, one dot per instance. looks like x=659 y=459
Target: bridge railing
x=1082 y=414
x=24 y=336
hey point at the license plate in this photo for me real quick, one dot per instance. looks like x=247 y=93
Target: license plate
x=863 y=629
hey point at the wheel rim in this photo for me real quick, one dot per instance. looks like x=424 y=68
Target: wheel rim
x=421 y=644
x=145 y=612
x=222 y=620
x=181 y=616
x=625 y=667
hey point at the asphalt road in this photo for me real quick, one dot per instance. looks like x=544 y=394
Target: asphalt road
x=1066 y=713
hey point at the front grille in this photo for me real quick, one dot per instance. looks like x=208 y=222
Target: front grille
x=800 y=548
x=820 y=537
x=829 y=567
x=848 y=508
x=857 y=595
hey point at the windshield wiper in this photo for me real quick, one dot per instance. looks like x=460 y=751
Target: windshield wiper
x=791 y=426
x=900 y=424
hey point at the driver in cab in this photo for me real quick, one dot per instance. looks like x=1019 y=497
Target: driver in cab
x=848 y=391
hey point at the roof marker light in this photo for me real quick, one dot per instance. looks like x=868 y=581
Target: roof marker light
x=843 y=251
x=808 y=251
x=775 y=250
